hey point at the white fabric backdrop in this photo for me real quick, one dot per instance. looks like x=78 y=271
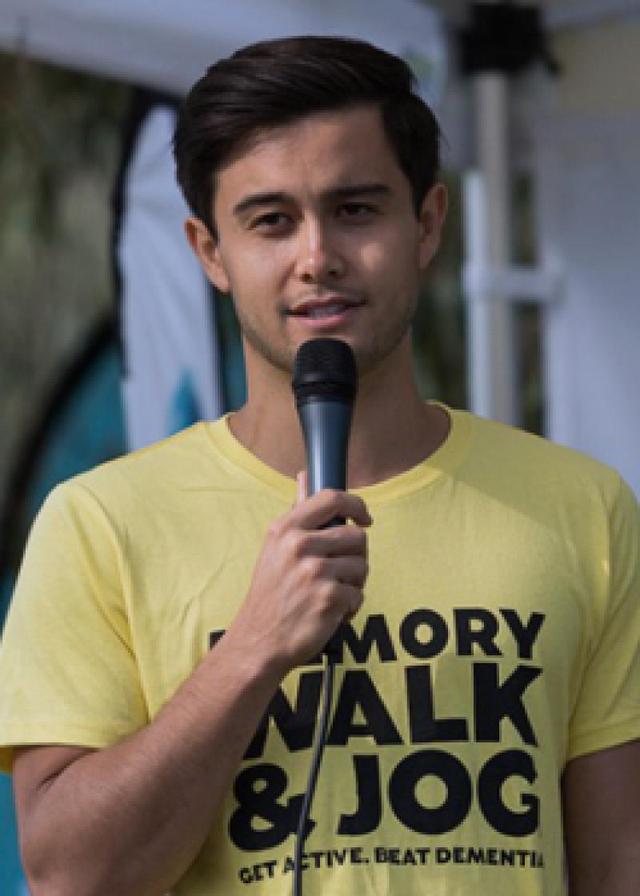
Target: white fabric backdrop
x=589 y=217
x=171 y=366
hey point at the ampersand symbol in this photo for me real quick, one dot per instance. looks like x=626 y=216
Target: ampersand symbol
x=258 y=790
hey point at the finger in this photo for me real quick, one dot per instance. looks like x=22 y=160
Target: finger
x=338 y=541
x=346 y=570
x=328 y=504
x=353 y=599
x=345 y=602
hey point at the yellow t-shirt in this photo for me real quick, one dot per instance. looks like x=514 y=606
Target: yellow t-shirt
x=498 y=640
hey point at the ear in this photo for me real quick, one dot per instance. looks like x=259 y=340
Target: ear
x=207 y=250
x=431 y=219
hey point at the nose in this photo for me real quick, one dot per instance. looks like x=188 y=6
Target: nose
x=318 y=257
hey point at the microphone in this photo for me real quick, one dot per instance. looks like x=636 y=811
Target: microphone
x=324 y=386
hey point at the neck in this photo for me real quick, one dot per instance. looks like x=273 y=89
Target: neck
x=392 y=428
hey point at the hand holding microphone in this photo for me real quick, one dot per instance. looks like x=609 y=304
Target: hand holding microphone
x=311 y=570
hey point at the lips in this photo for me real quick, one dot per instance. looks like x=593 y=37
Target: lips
x=316 y=309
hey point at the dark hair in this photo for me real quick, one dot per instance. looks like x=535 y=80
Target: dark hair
x=279 y=81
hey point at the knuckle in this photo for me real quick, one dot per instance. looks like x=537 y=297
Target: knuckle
x=276 y=530
x=295 y=542
x=311 y=568
x=326 y=598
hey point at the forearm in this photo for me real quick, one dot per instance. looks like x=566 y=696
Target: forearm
x=130 y=819
x=621 y=878
x=601 y=800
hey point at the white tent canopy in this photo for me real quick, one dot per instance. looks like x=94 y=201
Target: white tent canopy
x=167 y=45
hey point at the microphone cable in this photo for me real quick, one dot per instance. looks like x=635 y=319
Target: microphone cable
x=328 y=678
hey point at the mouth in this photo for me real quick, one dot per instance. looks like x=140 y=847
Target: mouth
x=324 y=309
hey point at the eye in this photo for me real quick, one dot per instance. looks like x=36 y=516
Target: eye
x=271 y=222
x=357 y=212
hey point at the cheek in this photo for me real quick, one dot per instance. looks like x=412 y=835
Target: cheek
x=391 y=261
x=252 y=271
x=372 y=258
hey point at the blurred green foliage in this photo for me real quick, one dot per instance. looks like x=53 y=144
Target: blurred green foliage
x=55 y=123
x=59 y=150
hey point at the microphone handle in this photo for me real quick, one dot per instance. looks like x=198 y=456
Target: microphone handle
x=325 y=426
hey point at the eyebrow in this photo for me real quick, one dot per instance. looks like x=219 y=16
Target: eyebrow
x=259 y=200
x=360 y=190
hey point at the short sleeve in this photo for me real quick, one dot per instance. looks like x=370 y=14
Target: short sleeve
x=607 y=712
x=68 y=673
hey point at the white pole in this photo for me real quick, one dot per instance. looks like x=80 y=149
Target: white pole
x=491 y=364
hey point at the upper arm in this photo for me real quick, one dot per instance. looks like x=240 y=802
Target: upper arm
x=68 y=669
x=601 y=802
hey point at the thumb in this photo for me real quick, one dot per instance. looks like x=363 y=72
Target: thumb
x=301 y=480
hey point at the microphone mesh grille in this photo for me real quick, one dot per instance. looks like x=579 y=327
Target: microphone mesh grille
x=325 y=368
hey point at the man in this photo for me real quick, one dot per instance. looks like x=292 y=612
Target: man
x=160 y=682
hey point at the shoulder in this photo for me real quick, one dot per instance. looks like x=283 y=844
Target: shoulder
x=187 y=456
x=525 y=448
x=557 y=485
x=135 y=482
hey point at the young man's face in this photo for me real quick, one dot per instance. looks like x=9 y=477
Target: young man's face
x=317 y=236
